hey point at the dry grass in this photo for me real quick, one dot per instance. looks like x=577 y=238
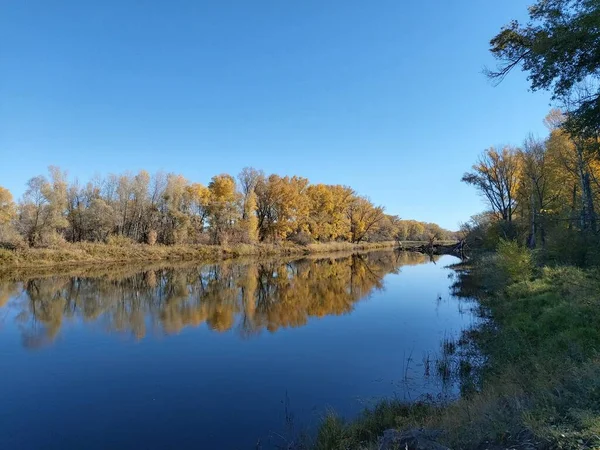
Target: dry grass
x=96 y=253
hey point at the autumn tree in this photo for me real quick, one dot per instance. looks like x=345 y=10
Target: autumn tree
x=282 y=206
x=496 y=177
x=173 y=205
x=129 y=198
x=198 y=197
x=363 y=217
x=545 y=191
x=8 y=212
x=249 y=222
x=138 y=223
x=166 y=208
x=222 y=206
x=327 y=212
x=387 y=230
x=90 y=217
x=539 y=189
x=579 y=166
x=7 y=206
x=558 y=50
x=248 y=179
x=43 y=210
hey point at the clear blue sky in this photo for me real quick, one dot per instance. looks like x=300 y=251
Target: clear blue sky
x=385 y=96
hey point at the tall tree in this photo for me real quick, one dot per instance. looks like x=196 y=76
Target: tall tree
x=8 y=234
x=7 y=206
x=539 y=189
x=167 y=209
x=173 y=205
x=364 y=217
x=283 y=206
x=198 y=198
x=43 y=209
x=327 y=215
x=496 y=176
x=223 y=205
x=248 y=178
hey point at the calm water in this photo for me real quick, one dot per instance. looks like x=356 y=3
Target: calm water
x=216 y=356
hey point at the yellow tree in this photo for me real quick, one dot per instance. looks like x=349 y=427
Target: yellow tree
x=250 y=221
x=173 y=207
x=540 y=188
x=8 y=234
x=7 y=206
x=416 y=230
x=579 y=173
x=283 y=206
x=327 y=213
x=364 y=217
x=198 y=197
x=222 y=206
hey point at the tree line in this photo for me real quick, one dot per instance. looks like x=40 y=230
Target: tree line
x=546 y=193
x=543 y=190
x=169 y=209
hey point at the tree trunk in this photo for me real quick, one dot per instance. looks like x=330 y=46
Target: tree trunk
x=588 y=215
x=573 y=207
x=532 y=231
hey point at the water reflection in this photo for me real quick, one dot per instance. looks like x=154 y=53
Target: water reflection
x=199 y=375
x=248 y=297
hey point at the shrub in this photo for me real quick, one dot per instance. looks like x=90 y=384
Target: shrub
x=151 y=237
x=301 y=238
x=566 y=247
x=10 y=239
x=51 y=239
x=514 y=261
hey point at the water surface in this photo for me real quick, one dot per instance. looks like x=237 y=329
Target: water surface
x=222 y=356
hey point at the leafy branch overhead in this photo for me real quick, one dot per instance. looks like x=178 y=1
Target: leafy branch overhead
x=559 y=48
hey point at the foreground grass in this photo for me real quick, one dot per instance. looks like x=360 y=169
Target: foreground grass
x=98 y=253
x=540 y=384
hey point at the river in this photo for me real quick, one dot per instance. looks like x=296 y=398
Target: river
x=243 y=354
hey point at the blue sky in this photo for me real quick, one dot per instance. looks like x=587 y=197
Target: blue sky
x=385 y=96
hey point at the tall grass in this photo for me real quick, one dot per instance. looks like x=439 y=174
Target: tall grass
x=127 y=251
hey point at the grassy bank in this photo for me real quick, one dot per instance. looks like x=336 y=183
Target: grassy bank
x=97 y=253
x=539 y=386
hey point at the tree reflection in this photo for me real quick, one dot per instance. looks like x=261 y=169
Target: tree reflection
x=248 y=297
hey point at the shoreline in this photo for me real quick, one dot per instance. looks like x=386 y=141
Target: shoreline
x=533 y=356
x=87 y=253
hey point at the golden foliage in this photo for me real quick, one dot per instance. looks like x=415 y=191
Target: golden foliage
x=7 y=206
x=258 y=295
x=170 y=210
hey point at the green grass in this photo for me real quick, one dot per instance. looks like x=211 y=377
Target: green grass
x=362 y=433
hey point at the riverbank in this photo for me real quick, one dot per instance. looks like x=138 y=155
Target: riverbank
x=528 y=374
x=99 y=253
